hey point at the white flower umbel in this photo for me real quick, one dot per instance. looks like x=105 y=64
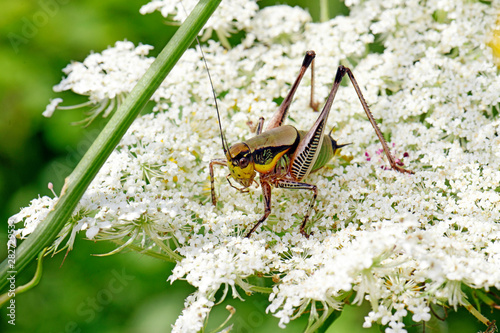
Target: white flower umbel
x=106 y=78
x=230 y=16
x=404 y=243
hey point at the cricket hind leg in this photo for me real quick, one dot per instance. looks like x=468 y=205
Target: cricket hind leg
x=309 y=148
x=293 y=184
x=313 y=104
x=392 y=162
x=280 y=115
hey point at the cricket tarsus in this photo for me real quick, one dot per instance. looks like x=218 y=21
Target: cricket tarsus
x=284 y=156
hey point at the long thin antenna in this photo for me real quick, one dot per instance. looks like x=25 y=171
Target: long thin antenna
x=223 y=140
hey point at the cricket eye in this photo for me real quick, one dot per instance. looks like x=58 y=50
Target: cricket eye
x=243 y=162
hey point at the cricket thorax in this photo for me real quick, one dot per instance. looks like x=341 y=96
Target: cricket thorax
x=269 y=147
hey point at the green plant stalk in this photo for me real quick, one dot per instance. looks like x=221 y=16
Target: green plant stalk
x=138 y=249
x=477 y=314
x=324 y=11
x=76 y=184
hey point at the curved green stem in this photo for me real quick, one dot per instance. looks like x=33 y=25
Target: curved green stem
x=25 y=287
x=76 y=184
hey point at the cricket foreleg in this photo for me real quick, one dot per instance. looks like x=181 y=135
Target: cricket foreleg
x=266 y=191
x=218 y=161
x=292 y=184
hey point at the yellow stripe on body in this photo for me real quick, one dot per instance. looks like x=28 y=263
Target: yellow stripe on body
x=268 y=167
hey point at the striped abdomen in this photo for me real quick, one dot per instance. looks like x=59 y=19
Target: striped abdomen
x=325 y=154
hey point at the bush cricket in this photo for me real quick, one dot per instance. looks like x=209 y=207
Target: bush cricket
x=282 y=155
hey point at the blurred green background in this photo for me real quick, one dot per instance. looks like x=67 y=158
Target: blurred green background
x=127 y=292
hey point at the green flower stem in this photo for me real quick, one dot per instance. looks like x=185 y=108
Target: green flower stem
x=263 y=290
x=138 y=249
x=324 y=11
x=486 y=300
x=76 y=184
x=476 y=313
x=323 y=326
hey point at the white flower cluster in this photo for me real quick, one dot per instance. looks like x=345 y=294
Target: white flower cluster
x=109 y=74
x=230 y=16
x=106 y=78
x=402 y=242
x=32 y=215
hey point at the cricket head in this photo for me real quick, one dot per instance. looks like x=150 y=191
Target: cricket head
x=241 y=165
